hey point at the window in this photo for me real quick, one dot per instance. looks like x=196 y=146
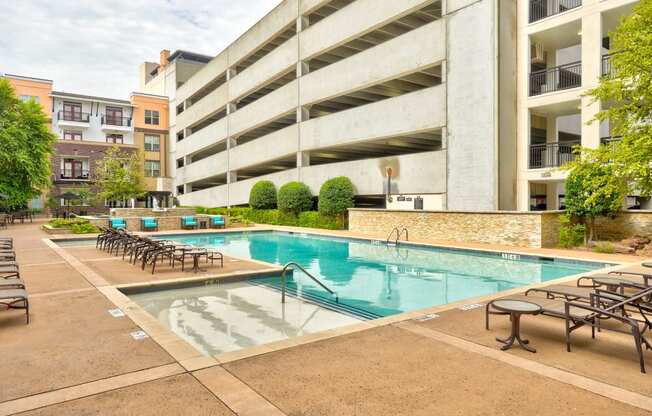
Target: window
x=72 y=135
x=152 y=142
x=114 y=138
x=25 y=98
x=73 y=112
x=114 y=116
x=151 y=117
x=152 y=168
x=74 y=168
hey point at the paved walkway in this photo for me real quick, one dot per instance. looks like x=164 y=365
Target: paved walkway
x=76 y=358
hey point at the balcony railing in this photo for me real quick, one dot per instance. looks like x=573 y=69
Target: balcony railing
x=559 y=78
x=77 y=174
x=610 y=140
x=73 y=116
x=540 y=9
x=116 y=121
x=551 y=155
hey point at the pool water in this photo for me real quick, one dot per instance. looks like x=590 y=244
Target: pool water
x=372 y=279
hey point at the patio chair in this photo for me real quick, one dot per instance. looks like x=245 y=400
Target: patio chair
x=149 y=224
x=14 y=298
x=117 y=223
x=627 y=278
x=603 y=305
x=217 y=221
x=188 y=222
x=215 y=255
x=9 y=271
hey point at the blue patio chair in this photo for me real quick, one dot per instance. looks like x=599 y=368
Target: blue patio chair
x=217 y=221
x=149 y=224
x=188 y=222
x=117 y=223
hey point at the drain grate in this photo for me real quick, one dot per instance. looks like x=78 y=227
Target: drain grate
x=471 y=306
x=139 y=335
x=116 y=313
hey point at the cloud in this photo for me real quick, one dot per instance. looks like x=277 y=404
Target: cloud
x=96 y=47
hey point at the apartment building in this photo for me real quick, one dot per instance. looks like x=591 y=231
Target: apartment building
x=87 y=126
x=409 y=99
x=563 y=50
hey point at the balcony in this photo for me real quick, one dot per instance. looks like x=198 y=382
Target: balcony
x=72 y=175
x=73 y=118
x=607 y=68
x=121 y=124
x=559 y=78
x=610 y=140
x=551 y=155
x=540 y=9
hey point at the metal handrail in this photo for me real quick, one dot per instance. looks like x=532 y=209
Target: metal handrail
x=283 y=281
x=392 y=232
x=407 y=237
x=399 y=233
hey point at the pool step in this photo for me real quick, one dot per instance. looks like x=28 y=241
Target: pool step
x=321 y=301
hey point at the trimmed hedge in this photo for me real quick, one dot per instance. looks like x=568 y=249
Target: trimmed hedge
x=263 y=195
x=335 y=196
x=294 y=197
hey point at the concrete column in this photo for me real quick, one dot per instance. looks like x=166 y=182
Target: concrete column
x=302 y=23
x=303 y=159
x=591 y=68
x=302 y=68
x=231 y=108
x=552 y=135
x=231 y=177
x=231 y=73
x=231 y=142
x=552 y=201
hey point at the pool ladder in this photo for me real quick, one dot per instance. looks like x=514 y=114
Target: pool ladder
x=399 y=233
x=298 y=266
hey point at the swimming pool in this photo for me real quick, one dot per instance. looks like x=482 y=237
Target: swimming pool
x=372 y=279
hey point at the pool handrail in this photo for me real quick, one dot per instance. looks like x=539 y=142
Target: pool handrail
x=297 y=265
x=399 y=233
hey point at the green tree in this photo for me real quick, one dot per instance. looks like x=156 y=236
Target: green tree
x=628 y=92
x=263 y=195
x=593 y=189
x=26 y=145
x=294 y=197
x=335 y=196
x=119 y=175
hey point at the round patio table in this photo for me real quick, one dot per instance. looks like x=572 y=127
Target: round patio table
x=196 y=254
x=516 y=308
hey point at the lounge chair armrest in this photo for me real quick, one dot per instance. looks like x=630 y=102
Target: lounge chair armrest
x=603 y=312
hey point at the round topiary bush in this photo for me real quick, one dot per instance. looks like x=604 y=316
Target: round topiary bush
x=263 y=195
x=335 y=196
x=294 y=197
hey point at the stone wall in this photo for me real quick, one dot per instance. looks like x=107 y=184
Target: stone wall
x=519 y=229
x=148 y=212
x=134 y=223
x=627 y=224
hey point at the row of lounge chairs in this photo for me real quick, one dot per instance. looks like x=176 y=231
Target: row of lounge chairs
x=13 y=293
x=626 y=303
x=146 y=251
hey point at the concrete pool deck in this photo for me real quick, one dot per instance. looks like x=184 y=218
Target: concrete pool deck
x=76 y=358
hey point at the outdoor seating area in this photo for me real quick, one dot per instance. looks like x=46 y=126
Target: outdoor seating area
x=617 y=301
x=7 y=218
x=144 y=251
x=13 y=293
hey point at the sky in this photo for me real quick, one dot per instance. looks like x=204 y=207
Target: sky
x=96 y=47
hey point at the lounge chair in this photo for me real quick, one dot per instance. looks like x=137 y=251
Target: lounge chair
x=603 y=305
x=188 y=222
x=217 y=221
x=149 y=224
x=621 y=277
x=13 y=298
x=117 y=223
x=9 y=271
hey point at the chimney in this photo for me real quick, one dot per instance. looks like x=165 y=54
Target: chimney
x=164 y=56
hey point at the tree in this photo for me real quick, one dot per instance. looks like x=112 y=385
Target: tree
x=26 y=145
x=335 y=196
x=263 y=195
x=294 y=197
x=119 y=176
x=628 y=92
x=593 y=189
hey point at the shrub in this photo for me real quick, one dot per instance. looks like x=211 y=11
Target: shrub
x=294 y=197
x=314 y=219
x=335 y=196
x=85 y=228
x=570 y=234
x=67 y=223
x=604 y=247
x=263 y=195
x=200 y=210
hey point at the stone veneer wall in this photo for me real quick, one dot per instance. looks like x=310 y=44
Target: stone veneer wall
x=134 y=223
x=148 y=212
x=625 y=225
x=520 y=229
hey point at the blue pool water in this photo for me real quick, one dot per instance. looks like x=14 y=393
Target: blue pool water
x=380 y=280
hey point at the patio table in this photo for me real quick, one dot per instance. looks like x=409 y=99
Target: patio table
x=516 y=308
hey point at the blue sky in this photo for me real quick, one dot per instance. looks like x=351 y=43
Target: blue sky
x=95 y=47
